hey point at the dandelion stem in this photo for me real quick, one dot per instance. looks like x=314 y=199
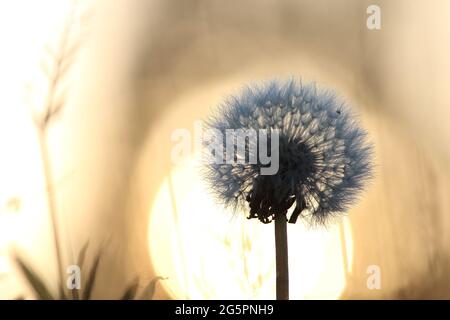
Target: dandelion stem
x=281 y=256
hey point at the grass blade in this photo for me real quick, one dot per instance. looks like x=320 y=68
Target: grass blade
x=82 y=255
x=91 y=279
x=39 y=287
x=80 y=262
x=130 y=293
x=149 y=290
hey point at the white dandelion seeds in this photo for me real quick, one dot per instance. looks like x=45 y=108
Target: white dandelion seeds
x=324 y=156
x=324 y=159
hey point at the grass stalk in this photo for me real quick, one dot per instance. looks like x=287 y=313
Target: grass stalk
x=51 y=202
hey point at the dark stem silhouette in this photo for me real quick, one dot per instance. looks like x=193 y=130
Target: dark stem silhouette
x=281 y=254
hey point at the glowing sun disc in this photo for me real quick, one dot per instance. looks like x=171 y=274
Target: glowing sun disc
x=209 y=253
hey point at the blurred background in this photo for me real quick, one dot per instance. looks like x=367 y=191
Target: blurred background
x=128 y=73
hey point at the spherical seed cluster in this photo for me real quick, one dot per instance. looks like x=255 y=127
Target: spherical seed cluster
x=324 y=158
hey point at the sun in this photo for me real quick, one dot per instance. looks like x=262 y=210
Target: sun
x=208 y=252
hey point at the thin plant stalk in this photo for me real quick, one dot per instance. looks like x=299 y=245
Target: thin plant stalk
x=281 y=256
x=51 y=201
x=52 y=107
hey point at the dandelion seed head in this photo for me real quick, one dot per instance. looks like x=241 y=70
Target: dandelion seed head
x=324 y=155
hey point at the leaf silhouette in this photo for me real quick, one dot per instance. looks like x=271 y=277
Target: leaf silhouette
x=130 y=293
x=40 y=289
x=149 y=290
x=80 y=262
x=91 y=278
x=82 y=255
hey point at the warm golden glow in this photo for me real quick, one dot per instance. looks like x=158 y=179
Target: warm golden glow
x=26 y=28
x=207 y=253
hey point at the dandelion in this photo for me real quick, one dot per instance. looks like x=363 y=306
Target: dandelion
x=323 y=154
